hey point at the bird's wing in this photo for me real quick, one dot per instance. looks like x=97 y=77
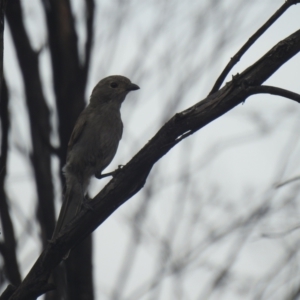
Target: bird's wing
x=77 y=131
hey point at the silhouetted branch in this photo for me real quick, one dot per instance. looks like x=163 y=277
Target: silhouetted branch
x=266 y=89
x=39 y=118
x=279 y=185
x=2 y=12
x=69 y=75
x=8 y=292
x=9 y=246
x=90 y=7
x=250 y=42
x=133 y=176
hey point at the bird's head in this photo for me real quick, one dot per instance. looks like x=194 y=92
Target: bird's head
x=112 y=89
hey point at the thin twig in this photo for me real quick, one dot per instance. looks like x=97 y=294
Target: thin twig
x=275 y=235
x=267 y=89
x=279 y=185
x=233 y=61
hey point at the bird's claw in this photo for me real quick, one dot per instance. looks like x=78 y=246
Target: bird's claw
x=87 y=198
x=98 y=174
x=116 y=172
x=87 y=206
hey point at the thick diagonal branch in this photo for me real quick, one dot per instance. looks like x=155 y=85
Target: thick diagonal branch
x=133 y=176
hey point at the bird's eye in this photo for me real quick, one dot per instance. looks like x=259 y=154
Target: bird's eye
x=113 y=85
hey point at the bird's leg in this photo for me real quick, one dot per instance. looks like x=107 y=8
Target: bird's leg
x=98 y=175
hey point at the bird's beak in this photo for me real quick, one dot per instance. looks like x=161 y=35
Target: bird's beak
x=133 y=87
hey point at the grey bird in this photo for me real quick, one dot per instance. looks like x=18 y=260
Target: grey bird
x=93 y=143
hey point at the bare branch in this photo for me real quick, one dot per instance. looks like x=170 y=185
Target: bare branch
x=2 y=11
x=90 y=7
x=69 y=76
x=275 y=235
x=8 y=292
x=267 y=89
x=133 y=176
x=279 y=185
x=250 y=42
x=39 y=117
x=9 y=246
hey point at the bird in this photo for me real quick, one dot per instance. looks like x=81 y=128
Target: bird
x=93 y=143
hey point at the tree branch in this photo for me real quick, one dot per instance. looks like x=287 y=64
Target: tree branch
x=8 y=292
x=69 y=75
x=279 y=185
x=132 y=177
x=9 y=246
x=267 y=89
x=90 y=8
x=39 y=117
x=234 y=60
x=2 y=12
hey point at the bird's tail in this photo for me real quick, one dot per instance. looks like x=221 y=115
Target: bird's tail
x=73 y=199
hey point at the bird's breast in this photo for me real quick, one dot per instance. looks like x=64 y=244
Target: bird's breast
x=97 y=144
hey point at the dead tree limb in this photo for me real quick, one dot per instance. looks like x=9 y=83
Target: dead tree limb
x=133 y=175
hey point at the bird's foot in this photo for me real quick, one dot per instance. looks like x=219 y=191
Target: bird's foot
x=87 y=198
x=85 y=204
x=98 y=175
